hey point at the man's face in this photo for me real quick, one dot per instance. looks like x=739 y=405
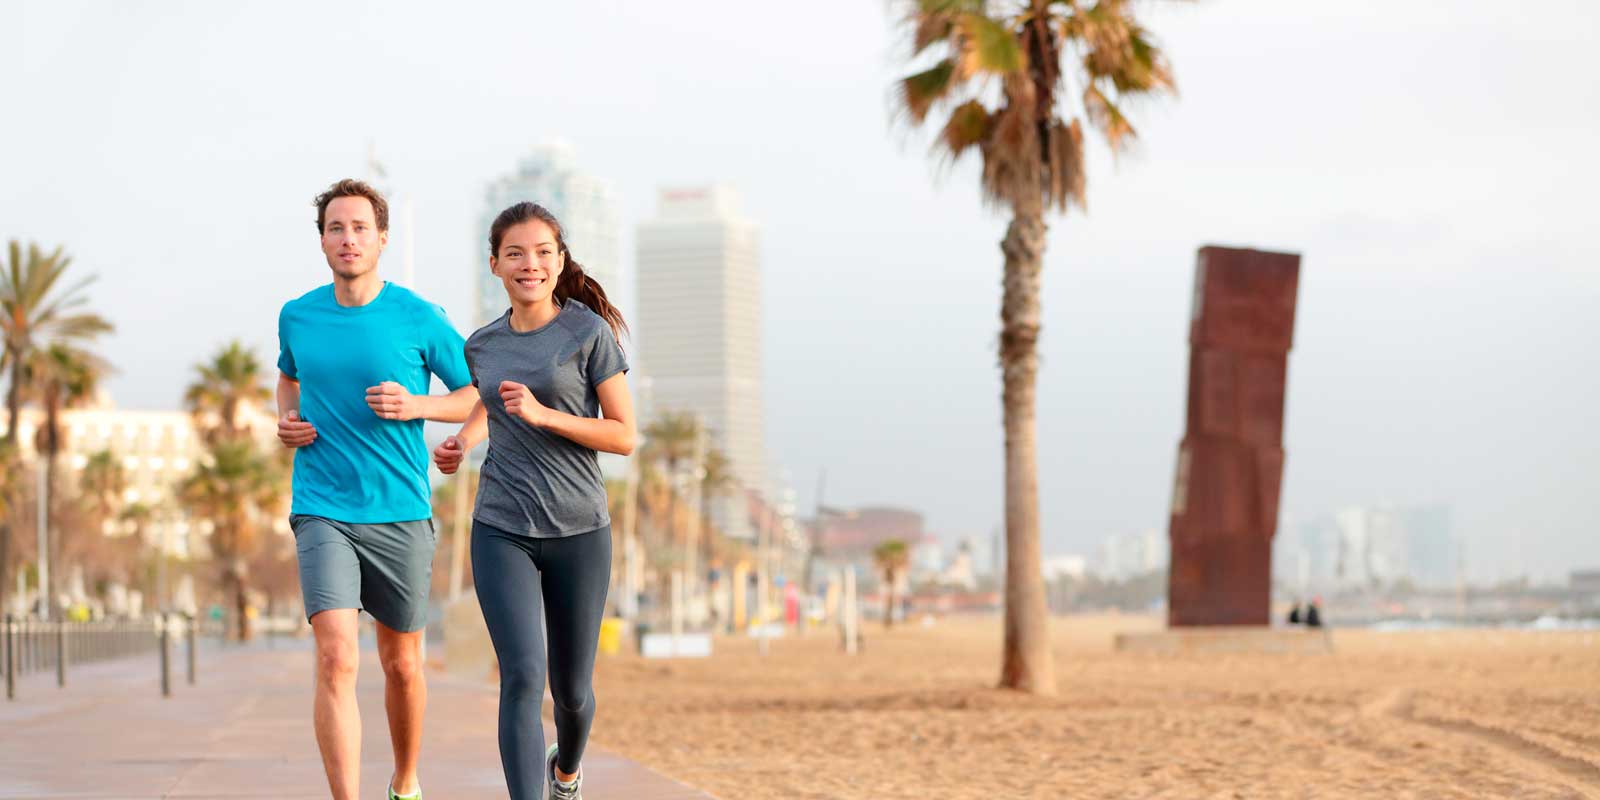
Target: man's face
x=350 y=237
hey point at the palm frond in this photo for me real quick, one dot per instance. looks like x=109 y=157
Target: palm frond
x=1032 y=151
x=1066 y=182
x=920 y=91
x=1011 y=164
x=1104 y=115
x=967 y=127
x=987 y=46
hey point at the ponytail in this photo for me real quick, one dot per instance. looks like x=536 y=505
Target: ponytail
x=575 y=284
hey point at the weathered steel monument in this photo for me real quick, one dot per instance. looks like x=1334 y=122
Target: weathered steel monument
x=1230 y=463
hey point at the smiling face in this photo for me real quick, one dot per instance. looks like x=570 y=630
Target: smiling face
x=351 y=239
x=529 y=262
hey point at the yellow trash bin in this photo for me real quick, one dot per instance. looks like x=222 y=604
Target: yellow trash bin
x=610 y=636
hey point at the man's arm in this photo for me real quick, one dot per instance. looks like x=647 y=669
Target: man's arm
x=390 y=400
x=292 y=431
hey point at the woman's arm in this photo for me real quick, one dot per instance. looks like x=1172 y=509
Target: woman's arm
x=614 y=432
x=449 y=453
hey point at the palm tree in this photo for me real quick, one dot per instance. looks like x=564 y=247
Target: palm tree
x=233 y=489
x=892 y=557
x=101 y=482
x=36 y=308
x=9 y=470
x=717 y=479
x=237 y=483
x=1011 y=77
x=232 y=380
x=671 y=440
x=154 y=564
x=63 y=376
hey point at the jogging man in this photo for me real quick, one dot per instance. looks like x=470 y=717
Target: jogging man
x=354 y=363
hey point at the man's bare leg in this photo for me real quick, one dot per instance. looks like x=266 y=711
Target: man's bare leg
x=405 y=695
x=335 y=715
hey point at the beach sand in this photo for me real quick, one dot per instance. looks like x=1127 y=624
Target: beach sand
x=1447 y=714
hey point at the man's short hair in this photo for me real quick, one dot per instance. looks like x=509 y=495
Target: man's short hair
x=350 y=187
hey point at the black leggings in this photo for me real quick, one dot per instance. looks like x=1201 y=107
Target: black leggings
x=515 y=576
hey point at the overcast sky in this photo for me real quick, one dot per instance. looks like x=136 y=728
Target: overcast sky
x=1437 y=170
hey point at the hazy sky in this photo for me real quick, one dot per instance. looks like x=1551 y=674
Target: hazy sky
x=1436 y=169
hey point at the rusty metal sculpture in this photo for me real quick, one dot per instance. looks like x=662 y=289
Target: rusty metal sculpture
x=1230 y=463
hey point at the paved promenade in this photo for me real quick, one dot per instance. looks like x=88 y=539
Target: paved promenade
x=245 y=731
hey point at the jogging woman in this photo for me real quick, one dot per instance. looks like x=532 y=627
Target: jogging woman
x=552 y=394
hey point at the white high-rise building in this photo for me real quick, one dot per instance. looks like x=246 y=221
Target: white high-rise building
x=699 y=310
x=585 y=206
x=1130 y=554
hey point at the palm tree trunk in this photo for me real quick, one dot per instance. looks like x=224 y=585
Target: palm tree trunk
x=708 y=549
x=1026 y=662
x=672 y=505
x=5 y=562
x=14 y=398
x=242 y=604
x=888 y=599
x=52 y=531
x=13 y=404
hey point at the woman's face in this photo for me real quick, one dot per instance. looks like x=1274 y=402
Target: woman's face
x=529 y=262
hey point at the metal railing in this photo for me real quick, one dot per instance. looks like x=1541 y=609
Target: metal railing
x=30 y=646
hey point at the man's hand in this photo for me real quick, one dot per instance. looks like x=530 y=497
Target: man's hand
x=447 y=456
x=390 y=400
x=521 y=403
x=293 y=432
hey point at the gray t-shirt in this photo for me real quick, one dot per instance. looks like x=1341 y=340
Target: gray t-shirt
x=534 y=482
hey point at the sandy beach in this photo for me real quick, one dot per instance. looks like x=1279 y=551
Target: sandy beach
x=1443 y=714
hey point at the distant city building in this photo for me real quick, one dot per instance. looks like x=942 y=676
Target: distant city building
x=699 y=323
x=927 y=557
x=1065 y=566
x=1584 y=582
x=1368 y=546
x=961 y=572
x=157 y=451
x=585 y=206
x=851 y=534
x=1126 y=555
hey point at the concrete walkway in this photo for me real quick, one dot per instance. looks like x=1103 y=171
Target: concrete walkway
x=245 y=731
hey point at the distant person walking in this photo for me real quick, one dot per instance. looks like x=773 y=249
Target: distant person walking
x=354 y=362
x=553 y=393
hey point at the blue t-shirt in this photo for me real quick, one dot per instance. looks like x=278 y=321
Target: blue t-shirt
x=363 y=468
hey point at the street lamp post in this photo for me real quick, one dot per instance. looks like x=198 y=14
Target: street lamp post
x=44 y=539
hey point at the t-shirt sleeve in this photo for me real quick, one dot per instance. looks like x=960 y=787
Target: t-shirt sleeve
x=472 y=368
x=443 y=349
x=285 y=355
x=605 y=357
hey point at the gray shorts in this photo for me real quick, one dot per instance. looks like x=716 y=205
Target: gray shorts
x=382 y=567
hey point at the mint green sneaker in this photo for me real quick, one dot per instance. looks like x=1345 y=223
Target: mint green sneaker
x=559 y=790
x=393 y=796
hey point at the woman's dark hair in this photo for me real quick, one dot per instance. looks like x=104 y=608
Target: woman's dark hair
x=574 y=283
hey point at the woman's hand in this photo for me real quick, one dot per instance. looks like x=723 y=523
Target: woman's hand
x=449 y=453
x=521 y=403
